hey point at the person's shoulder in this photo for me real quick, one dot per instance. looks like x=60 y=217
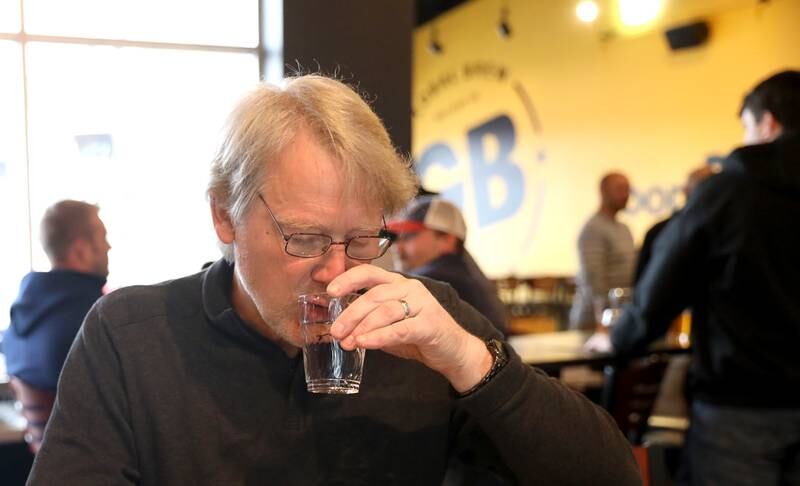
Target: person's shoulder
x=773 y=164
x=592 y=226
x=441 y=268
x=727 y=182
x=141 y=303
x=593 y=221
x=441 y=290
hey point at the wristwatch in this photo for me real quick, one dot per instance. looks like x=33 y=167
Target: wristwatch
x=499 y=359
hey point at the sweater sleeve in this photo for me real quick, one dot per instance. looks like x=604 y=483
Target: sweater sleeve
x=541 y=431
x=592 y=253
x=677 y=268
x=89 y=439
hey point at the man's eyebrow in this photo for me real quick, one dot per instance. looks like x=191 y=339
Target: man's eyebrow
x=302 y=225
x=306 y=227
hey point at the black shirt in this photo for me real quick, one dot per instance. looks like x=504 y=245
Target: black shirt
x=733 y=256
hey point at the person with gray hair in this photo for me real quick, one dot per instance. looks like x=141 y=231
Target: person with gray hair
x=50 y=307
x=200 y=380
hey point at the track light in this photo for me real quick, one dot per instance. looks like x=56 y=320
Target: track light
x=587 y=11
x=503 y=27
x=434 y=46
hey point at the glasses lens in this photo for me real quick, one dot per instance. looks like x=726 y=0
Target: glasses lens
x=367 y=247
x=307 y=245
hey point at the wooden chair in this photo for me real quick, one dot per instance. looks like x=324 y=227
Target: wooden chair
x=36 y=408
x=630 y=391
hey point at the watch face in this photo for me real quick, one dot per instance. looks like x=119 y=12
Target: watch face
x=499 y=360
x=498 y=349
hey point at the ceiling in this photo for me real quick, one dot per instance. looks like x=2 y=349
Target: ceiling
x=677 y=11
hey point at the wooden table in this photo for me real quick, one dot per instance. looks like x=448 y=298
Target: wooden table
x=12 y=423
x=552 y=351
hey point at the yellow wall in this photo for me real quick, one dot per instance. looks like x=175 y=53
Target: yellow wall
x=628 y=103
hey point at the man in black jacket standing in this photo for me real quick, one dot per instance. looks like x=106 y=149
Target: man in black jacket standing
x=732 y=256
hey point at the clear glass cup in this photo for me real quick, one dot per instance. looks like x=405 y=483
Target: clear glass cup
x=619 y=296
x=328 y=367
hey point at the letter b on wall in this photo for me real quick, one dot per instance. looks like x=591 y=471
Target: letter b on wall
x=500 y=166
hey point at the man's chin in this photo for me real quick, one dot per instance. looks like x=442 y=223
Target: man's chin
x=294 y=335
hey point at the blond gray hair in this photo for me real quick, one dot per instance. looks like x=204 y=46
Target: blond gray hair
x=267 y=120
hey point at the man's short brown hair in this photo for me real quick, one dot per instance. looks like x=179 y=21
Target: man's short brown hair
x=64 y=223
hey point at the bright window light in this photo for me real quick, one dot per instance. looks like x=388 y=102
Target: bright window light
x=133 y=130
x=9 y=16
x=207 y=22
x=587 y=11
x=634 y=13
x=15 y=243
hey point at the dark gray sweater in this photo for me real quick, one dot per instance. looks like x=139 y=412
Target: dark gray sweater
x=166 y=385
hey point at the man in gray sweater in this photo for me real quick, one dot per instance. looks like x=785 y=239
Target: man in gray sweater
x=606 y=253
x=200 y=381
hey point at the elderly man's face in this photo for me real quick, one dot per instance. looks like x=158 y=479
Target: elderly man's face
x=304 y=191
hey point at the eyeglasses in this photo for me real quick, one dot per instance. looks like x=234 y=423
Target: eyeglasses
x=310 y=245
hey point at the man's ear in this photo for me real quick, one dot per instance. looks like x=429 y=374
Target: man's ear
x=78 y=255
x=223 y=224
x=768 y=127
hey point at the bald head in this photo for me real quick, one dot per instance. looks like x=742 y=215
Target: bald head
x=614 y=192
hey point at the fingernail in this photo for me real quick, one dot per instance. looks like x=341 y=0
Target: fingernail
x=333 y=289
x=349 y=342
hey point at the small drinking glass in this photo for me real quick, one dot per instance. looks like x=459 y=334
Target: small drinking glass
x=329 y=368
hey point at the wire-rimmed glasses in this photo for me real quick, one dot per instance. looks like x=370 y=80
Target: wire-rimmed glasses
x=310 y=245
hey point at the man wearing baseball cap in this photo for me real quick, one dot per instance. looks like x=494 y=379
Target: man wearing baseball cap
x=430 y=243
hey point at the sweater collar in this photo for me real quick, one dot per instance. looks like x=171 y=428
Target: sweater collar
x=218 y=308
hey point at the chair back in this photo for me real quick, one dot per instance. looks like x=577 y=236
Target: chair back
x=630 y=392
x=36 y=408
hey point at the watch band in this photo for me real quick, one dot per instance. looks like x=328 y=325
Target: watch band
x=499 y=360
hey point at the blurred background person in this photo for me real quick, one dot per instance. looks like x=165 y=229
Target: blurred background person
x=732 y=257
x=645 y=252
x=51 y=306
x=430 y=243
x=606 y=253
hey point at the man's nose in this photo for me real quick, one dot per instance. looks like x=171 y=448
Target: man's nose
x=333 y=264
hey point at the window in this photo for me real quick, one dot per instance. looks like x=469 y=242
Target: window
x=206 y=22
x=120 y=104
x=9 y=16
x=15 y=240
x=134 y=130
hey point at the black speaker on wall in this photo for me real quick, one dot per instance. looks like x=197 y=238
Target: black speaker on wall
x=689 y=35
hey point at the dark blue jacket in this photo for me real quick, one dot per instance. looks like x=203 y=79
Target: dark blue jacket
x=44 y=320
x=470 y=283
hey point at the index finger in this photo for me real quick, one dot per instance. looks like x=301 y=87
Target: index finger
x=359 y=277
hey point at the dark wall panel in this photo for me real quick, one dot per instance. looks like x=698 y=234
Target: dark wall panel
x=367 y=42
